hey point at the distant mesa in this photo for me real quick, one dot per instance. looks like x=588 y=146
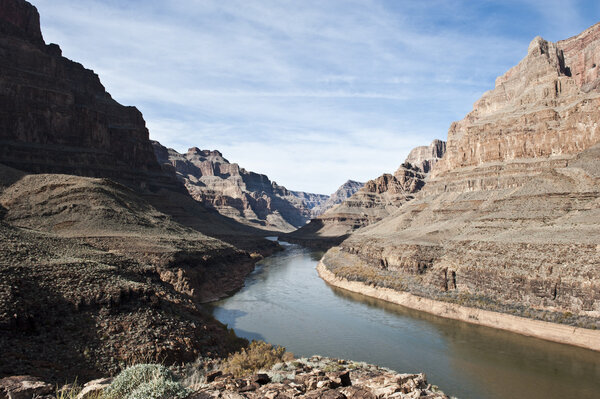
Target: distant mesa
x=344 y=192
x=245 y=196
x=372 y=202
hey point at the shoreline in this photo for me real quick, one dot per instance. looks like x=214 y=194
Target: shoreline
x=564 y=334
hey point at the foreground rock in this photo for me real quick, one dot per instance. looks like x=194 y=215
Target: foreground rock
x=24 y=387
x=237 y=193
x=508 y=220
x=319 y=377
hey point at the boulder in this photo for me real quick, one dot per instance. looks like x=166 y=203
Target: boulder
x=24 y=387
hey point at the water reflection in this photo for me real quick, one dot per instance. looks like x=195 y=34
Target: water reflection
x=286 y=303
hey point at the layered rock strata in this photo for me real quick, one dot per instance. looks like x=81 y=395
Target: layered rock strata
x=345 y=191
x=376 y=200
x=234 y=192
x=95 y=266
x=56 y=117
x=424 y=157
x=508 y=218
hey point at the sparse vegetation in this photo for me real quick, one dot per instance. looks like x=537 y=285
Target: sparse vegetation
x=145 y=381
x=258 y=356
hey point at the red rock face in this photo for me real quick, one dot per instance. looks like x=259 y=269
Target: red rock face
x=510 y=213
x=546 y=106
x=20 y=18
x=56 y=116
x=582 y=56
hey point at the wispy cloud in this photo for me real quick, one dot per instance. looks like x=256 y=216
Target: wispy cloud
x=311 y=92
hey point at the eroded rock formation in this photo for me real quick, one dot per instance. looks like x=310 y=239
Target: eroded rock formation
x=377 y=199
x=425 y=156
x=94 y=264
x=345 y=191
x=237 y=193
x=508 y=219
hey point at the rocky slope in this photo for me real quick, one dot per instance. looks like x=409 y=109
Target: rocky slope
x=103 y=252
x=345 y=191
x=315 y=377
x=377 y=199
x=91 y=275
x=508 y=218
x=234 y=192
x=56 y=117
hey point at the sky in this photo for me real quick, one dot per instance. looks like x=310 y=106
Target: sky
x=309 y=92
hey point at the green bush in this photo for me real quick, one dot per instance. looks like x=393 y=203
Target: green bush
x=159 y=389
x=152 y=381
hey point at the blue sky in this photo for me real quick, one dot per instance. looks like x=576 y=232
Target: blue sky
x=311 y=93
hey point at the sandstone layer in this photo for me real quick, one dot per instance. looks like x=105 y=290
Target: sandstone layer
x=234 y=192
x=564 y=334
x=344 y=192
x=377 y=199
x=509 y=218
x=426 y=156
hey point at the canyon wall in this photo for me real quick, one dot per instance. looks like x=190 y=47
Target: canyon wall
x=104 y=256
x=509 y=216
x=56 y=116
x=344 y=192
x=375 y=200
x=245 y=196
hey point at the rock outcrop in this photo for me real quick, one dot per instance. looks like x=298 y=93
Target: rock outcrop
x=508 y=218
x=345 y=191
x=56 y=117
x=103 y=253
x=424 y=157
x=376 y=200
x=236 y=193
x=321 y=377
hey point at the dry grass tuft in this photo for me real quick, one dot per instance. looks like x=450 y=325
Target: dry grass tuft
x=258 y=356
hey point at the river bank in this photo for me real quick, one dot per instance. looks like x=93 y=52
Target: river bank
x=584 y=338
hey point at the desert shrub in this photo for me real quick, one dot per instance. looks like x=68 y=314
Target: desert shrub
x=160 y=388
x=68 y=393
x=258 y=356
x=152 y=381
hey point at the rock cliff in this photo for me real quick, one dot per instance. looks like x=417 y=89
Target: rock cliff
x=57 y=117
x=376 y=199
x=424 y=157
x=508 y=218
x=345 y=191
x=234 y=192
x=103 y=250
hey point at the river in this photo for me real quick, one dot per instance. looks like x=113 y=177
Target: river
x=285 y=302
